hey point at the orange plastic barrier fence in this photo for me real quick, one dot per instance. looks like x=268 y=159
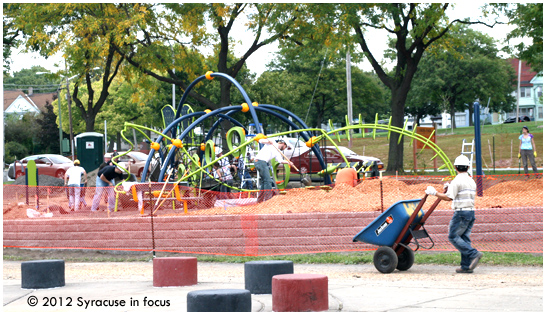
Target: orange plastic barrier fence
x=165 y=217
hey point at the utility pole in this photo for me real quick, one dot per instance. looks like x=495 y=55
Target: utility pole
x=518 y=92
x=348 y=84
x=69 y=112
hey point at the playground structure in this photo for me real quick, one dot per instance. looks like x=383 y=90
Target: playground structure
x=185 y=151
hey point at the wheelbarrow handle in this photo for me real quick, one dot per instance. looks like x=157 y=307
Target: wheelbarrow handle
x=410 y=220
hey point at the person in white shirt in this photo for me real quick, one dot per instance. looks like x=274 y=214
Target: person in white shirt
x=461 y=191
x=73 y=178
x=264 y=156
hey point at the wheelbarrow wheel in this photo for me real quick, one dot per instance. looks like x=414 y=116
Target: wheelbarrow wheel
x=405 y=259
x=385 y=259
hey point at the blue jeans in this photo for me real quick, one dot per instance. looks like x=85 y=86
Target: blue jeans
x=74 y=194
x=265 y=183
x=101 y=187
x=458 y=235
x=246 y=184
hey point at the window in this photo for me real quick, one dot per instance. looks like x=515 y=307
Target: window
x=540 y=91
x=525 y=92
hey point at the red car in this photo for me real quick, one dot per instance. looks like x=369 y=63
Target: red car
x=307 y=162
x=47 y=164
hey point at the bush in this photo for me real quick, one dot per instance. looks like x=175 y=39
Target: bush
x=13 y=150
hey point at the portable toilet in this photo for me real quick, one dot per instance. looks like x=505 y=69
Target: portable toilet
x=90 y=151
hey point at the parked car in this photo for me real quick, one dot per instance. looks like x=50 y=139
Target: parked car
x=332 y=155
x=513 y=119
x=47 y=164
x=137 y=159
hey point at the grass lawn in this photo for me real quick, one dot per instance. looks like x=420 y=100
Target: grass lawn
x=500 y=144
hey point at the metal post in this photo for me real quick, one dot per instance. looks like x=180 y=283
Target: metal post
x=350 y=101
x=478 y=162
x=69 y=114
x=60 y=122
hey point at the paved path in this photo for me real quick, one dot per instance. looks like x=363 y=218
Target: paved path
x=352 y=288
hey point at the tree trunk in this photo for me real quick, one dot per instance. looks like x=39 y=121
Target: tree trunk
x=453 y=112
x=396 y=149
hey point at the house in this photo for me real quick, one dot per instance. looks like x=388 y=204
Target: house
x=531 y=91
x=18 y=102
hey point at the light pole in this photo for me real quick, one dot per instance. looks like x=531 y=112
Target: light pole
x=69 y=113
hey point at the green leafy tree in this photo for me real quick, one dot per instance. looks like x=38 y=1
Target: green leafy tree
x=168 y=51
x=528 y=21
x=458 y=76
x=36 y=77
x=313 y=86
x=48 y=137
x=415 y=27
x=87 y=34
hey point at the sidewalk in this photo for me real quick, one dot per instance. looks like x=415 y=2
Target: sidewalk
x=352 y=288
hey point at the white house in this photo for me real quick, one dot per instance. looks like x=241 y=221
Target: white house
x=18 y=102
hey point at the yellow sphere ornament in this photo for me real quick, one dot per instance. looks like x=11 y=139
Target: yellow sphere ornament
x=311 y=141
x=244 y=107
x=202 y=146
x=259 y=136
x=177 y=142
x=208 y=75
x=207 y=111
x=155 y=146
x=255 y=103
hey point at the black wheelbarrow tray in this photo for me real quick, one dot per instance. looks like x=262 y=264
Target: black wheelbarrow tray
x=393 y=231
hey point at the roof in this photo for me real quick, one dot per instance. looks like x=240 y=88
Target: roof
x=37 y=99
x=526 y=72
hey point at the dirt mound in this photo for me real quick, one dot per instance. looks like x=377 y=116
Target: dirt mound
x=43 y=181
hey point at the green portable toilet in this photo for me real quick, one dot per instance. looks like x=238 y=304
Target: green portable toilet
x=90 y=150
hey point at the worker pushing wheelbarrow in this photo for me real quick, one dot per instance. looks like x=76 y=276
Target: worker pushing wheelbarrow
x=394 y=230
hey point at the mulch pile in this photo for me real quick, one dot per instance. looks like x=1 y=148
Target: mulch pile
x=367 y=196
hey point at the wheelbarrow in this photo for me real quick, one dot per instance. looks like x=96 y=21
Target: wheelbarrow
x=393 y=231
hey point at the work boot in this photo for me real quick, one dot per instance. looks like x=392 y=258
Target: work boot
x=475 y=261
x=460 y=270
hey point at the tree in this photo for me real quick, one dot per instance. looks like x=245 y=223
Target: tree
x=317 y=85
x=528 y=19
x=414 y=27
x=173 y=44
x=30 y=77
x=86 y=33
x=48 y=137
x=10 y=39
x=458 y=76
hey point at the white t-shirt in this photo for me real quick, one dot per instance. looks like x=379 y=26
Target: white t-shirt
x=268 y=152
x=75 y=174
x=462 y=191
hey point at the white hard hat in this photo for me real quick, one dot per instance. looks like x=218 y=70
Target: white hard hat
x=461 y=160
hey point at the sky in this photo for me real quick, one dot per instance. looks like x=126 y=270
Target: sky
x=258 y=61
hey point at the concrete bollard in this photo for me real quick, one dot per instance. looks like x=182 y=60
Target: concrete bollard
x=221 y=300
x=175 y=271
x=300 y=293
x=42 y=274
x=258 y=274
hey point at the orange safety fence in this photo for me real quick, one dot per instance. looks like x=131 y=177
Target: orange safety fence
x=166 y=217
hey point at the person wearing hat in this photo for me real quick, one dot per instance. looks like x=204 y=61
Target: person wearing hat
x=261 y=161
x=461 y=191
x=73 y=179
x=527 y=150
x=104 y=180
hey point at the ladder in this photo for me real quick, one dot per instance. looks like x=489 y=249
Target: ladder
x=468 y=149
x=248 y=158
